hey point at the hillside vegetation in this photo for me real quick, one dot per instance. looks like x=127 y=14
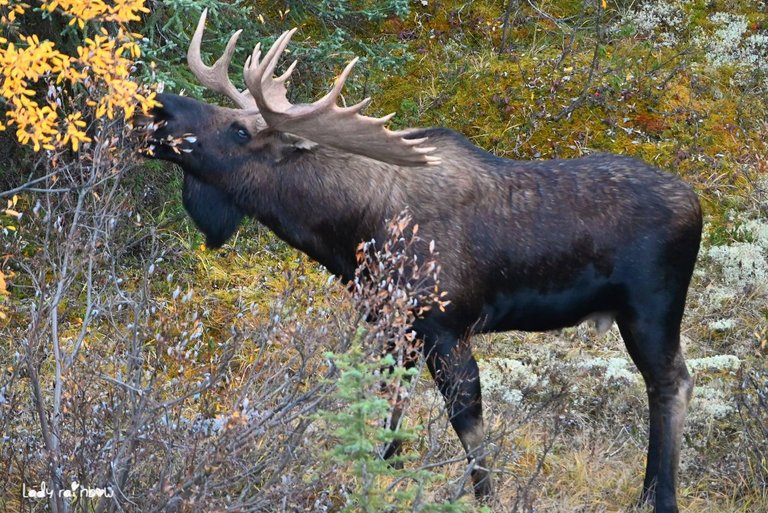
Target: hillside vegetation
x=135 y=360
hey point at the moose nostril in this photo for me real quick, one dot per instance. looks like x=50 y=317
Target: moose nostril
x=166 y=105
x=160 y=114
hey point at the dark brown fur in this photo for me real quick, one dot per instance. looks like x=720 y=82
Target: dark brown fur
x=525 y=245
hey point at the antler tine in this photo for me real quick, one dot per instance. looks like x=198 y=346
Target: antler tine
x=254 y=57
x=255 y=67
x=333 y=94
x=216 y=77
x=273 y=56
x=285 y=76
x=360 y=106
x=269 y=91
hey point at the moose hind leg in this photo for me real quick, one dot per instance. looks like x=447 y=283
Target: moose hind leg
x=657 y=354
x=670 y=396
x=455 y=371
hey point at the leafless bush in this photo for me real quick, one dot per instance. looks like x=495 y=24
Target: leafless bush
x=66 y=296
x=753 y=410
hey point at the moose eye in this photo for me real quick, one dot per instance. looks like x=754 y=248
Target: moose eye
x=241 y=134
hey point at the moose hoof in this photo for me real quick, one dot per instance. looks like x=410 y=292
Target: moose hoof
x=483 y=488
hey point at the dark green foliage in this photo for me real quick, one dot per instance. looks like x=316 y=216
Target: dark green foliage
x=332 y=32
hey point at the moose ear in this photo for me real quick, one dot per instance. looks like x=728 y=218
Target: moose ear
x=212 y=210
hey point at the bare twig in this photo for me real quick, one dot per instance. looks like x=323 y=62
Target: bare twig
x=579 y=100
x=505 y=25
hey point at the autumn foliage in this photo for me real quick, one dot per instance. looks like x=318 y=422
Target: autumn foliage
x=40 y=85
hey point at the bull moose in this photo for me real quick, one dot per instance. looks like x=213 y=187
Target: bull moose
x=524 y=245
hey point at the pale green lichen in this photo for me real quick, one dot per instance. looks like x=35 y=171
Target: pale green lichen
x=615 y=369
x=507 y=377
x=744 y=264
x=709 y=403
x=758 y=230
x=722 y=324
x=717 y=362
x=724 y=44
x=731 y=44
x=719 y=296
x=662 y=19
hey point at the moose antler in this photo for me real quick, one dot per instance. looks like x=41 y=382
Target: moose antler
x=216 y=77
x=324 y=121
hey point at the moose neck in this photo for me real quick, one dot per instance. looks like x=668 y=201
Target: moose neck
x=324 y=202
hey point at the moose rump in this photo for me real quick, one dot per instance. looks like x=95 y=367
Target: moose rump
x=556 y=243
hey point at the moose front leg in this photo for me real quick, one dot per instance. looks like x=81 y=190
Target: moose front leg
x=394 y=447
x=455 y=371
